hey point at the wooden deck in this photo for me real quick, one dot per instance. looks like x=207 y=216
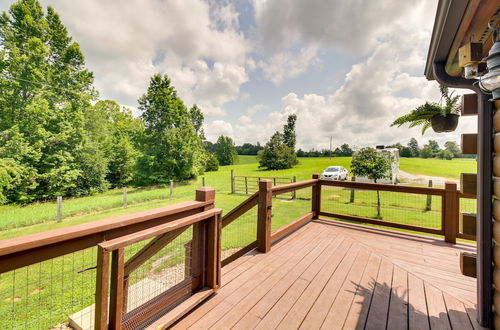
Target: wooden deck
x=333 y=275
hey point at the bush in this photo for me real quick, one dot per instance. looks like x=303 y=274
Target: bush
x=212 y=164
x=276 y=155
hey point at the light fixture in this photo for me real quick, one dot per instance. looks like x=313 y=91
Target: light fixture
x=490 y=81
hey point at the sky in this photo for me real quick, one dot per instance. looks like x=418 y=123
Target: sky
x=347 y=69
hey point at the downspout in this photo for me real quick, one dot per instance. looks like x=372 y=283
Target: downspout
x=484 y=192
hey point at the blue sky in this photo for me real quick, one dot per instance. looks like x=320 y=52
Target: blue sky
x=346 y=68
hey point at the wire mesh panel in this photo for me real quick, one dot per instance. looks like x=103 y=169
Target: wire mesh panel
x=395 y=207
x=250 y=184
x=167 y=268
x=44 y=295
x=286 y=210
x=239 y=233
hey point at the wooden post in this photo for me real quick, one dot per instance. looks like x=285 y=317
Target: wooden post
x=101 y=290
x=316 y=198
x=294 y=193
x=125 y=204
x=59 y=209
x=203 y=182
x=232 y=181
x=171 y=188
x=450 y=205
x=246 y=185
x=116 y=292
x=264 y=216
x=351 y=200
x=428 y=204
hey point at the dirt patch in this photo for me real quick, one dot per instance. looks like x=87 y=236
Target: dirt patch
x=62 y=326
x=15 y=299
x=334 y=196
x=36 y=291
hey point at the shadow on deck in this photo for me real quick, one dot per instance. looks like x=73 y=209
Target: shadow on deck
x=335 y=275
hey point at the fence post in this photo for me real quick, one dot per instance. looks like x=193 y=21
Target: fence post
x=351 y=200
x=125 y=202
x=246 y=185
x=450 y=205
x=203 y=182
x=264 y=216
x=171 y=188
x=316 y=197
x=59 y=209
x=428 y=204
x=232 y=181
x=294 y=193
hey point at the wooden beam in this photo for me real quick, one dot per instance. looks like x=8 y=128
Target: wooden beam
x=101 y=289
x=316 y=197
x=469 y=104
x=468 y=264
x=264 y=216
x=468 y=223
x=285 y=230
x=468 y=144
x=116 y=290
x=450 y=212
x=468 y=183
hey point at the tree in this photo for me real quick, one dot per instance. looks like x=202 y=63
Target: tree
x=371 y=164
x=413 y=145
x=225 y=151
x=434 y=147
x=289 y=135
x=47 y=89
x=406 y=152
x=452 y=148
x=276 y=155
x=197 y=118
x=212 y=164
x=426 y=152
x=345 y=150
x=445 y=154
x=169 y=145
x=248 y=149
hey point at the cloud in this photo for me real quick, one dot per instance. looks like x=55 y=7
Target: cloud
x=353 y=25
x=196 y=43
x=217 y=128
x=286 y=65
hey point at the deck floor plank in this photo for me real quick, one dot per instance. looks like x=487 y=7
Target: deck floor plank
x=332 y=276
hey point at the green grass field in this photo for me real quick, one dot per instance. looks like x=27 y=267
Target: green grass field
x=42 y=295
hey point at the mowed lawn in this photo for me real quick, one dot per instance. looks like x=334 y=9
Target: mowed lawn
x=43 y=295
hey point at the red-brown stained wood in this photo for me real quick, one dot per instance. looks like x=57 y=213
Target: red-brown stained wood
x=468 y=264
x=264 y=216
x=468 y=183
x=436 y=306
x=116 y=290
x=377 y=316
x=450 y=209
x=468 y=144
x=469 y=104
x=101 y=287
x=316 y=197
x=398 y=307
x=417 y=308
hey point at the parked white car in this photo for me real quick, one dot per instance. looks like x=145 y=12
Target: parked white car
x=335 y=173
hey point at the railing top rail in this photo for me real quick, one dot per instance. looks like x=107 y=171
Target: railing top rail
x=239 y=210
x=284 y=188
x=262 y=177
x=23 y=243
x=142 y=235
x=385 y=187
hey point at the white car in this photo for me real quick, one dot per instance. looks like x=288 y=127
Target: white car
x=335 y=173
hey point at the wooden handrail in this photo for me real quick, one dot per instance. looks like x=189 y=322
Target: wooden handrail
x=126 y=240
x=286 y=188
x=384 y=187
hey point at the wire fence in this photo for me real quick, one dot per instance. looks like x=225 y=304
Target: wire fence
x=239 y=233
x=43 y=295
x=396 y=207
x=286 y=210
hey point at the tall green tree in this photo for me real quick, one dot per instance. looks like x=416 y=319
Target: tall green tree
x=170 y=145
x=374 y=165
x=276 y=155
x=46 y=89
x=452 y=148
x=225 y=151
x=413 y=145
x=289 y=135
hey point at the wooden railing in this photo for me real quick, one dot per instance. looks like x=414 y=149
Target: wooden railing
x=157 y=229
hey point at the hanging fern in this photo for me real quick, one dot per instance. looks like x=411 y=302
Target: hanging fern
x=422 y=115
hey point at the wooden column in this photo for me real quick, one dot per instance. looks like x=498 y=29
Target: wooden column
x=116 y=292
x=101 y=289
x=450 y=212
x=316 y=197
x=264 y=216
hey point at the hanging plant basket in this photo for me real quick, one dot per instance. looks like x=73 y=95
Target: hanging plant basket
x=443 y=124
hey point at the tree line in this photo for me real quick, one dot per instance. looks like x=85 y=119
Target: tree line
x=58 y=139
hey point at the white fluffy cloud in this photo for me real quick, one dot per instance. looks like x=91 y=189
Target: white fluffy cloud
x=197 y=43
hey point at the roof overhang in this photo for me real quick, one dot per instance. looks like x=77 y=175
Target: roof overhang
x=458 y=22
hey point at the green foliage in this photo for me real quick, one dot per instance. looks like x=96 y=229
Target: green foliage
x=371 y=164
x=226 y=151
x=413 y=145
x=170 y=146
x=452 y=148
x=422 y=115
x=445 y=154
x=276 y=155
x=406 y=152
x=212 y=164
x=426 y=152
x=249 y=149
x=289 y=135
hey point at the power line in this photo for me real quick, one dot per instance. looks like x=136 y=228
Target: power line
x=44 y=84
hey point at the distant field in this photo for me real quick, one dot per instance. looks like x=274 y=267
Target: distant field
x=19 y=220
